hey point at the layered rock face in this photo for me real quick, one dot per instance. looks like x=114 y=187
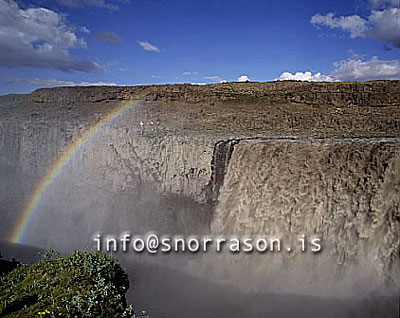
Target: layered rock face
x=120 y=171
x=378 y=93
x=281 y=159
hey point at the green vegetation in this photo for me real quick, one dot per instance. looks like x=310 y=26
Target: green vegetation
x=83 y=284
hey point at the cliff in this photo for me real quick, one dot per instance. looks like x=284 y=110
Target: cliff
x=280 y=158
x=377 y=93
x=236 y=108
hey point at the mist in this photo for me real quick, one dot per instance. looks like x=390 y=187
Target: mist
x=139 y=178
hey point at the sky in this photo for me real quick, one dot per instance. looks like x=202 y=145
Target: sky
x=46 y=43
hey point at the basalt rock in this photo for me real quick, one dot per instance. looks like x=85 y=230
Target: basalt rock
x=258 y=158
x=375 y=94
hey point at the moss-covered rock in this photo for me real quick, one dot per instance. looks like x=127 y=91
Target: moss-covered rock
x=83 y=284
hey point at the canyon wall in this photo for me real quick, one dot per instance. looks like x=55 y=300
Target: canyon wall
x=188 y=159
x=377 y=93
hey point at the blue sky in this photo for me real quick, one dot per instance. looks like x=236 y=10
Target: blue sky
x=70 y=42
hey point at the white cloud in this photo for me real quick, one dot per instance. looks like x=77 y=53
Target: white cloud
x=359 y=70
x=156 y=76
x=243 y=78
x=213 y=78
x=147 y=46
x=385 y=3
x=113 y=63
x=200 y=84
x=38 y=37
x=123 y=69
x=353 y=69
x=54 y=82
x=306 y=76
x=94 y=84
x=386 y=26
x=189 y=73
x=88 y=3
x=354 y=24
x=382 y=25
x=108 y=36
x=84 y=29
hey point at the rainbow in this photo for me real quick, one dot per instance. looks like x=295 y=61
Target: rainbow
x=29 y=209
